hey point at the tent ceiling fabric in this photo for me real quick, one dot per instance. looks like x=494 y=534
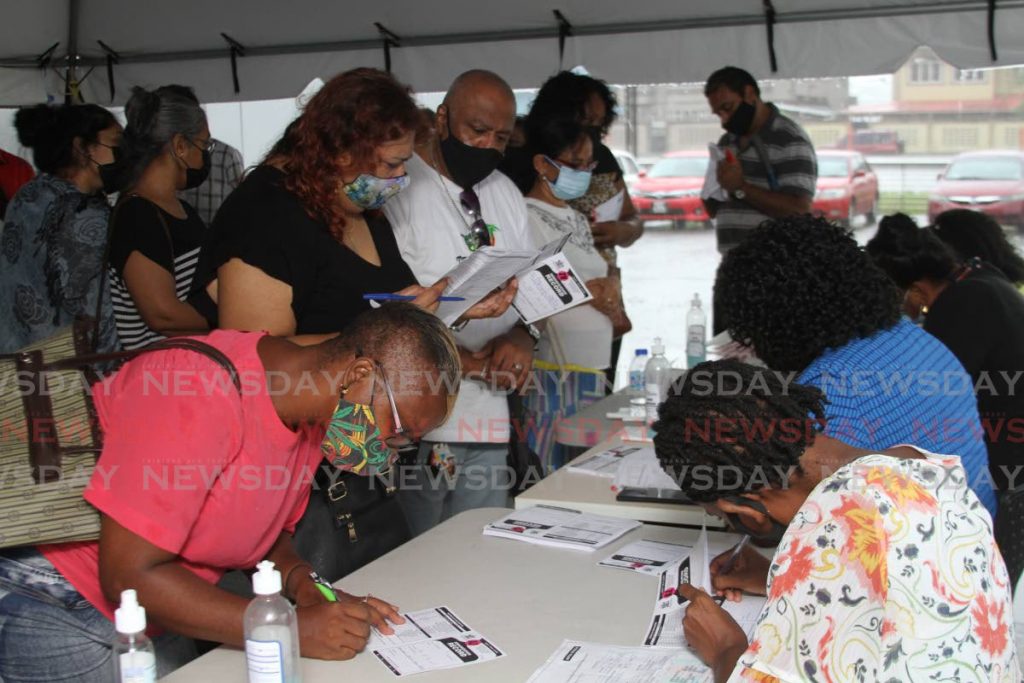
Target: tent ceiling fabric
x=655 y=41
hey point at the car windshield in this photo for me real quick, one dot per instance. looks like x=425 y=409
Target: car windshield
x=985 y=168
x=832 y=167
x=679 y=167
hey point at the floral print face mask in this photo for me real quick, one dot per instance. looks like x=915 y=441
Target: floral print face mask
x=370 y=192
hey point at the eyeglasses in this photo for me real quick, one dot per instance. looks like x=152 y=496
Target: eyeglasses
x=576 y=167
x=210 y=145
x=479 y=234
x=399 y=440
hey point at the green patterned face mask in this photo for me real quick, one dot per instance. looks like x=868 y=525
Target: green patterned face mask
x=353 y=442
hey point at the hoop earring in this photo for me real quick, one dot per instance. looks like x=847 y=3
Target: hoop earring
x=924 y=310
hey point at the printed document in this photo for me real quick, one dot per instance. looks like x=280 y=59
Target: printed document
x=560 y=527
x=603 y=463
x=711 y=189
x=488 y=268
x=610 y=210
x=642 y=469
x=430 y=639
x=647 y=557
x=666 y=626
x=579 y=662
x=552 y=286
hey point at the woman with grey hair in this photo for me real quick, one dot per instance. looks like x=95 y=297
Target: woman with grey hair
x=155 y=237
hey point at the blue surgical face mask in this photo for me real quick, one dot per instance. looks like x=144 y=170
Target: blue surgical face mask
x=570 y=184
x=370 y=192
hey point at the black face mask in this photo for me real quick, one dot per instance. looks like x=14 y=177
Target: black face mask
x=109 y=176
x=741 y=120
x=194 y=177
x=468 y=165
x=772 y=537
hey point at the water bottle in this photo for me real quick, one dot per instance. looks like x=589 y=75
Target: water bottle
x=636 y=373
x=656 y=379
x=134 y=656
x=271 y=631
x=696 y=329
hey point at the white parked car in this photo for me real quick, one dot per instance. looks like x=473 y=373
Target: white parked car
x=630 y=167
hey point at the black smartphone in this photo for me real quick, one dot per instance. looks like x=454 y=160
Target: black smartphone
x=635 y=494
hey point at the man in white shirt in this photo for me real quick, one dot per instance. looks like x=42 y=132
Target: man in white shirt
x=458 y=201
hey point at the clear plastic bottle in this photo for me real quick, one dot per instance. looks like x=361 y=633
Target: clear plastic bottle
x=271 y=631
x=134 y=655
x=636 y=373
x=696 y=334
x=656 y=378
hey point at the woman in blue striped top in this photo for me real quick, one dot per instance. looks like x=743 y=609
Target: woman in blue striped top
x=811 y=302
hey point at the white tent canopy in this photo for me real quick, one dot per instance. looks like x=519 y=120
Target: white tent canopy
x=288 y=42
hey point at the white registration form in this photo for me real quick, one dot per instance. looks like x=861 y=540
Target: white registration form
x=642 y=469
x=603 y=463
x=611 y=209
x=666 y=625
x=430 y=639
x=551 y=286
x=560 y=527
x=579 y=662
x=647 y=557
x=485 y=270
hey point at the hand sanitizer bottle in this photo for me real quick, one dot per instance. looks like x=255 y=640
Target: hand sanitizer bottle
x=134 y=656
x=271 y=631
x=696 y=330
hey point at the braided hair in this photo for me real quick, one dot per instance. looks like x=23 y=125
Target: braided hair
x=735 y=418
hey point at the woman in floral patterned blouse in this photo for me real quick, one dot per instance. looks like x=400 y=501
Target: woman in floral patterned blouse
x=52 y=244
x=886 y=569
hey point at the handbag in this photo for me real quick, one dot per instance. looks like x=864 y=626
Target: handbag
x=51 y=436
x=350 y=521
x=524 y=464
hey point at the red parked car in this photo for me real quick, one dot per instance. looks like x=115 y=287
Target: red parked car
x=670 y=190
x=847 y=186
x=991 y=182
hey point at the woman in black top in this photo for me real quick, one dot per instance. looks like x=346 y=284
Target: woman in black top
x=155 y=237
x=294 y=248
x=977 y=312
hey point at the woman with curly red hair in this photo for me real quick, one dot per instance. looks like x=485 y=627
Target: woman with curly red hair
x=293 y=249
x=295 y=246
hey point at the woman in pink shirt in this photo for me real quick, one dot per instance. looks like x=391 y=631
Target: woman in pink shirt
x=198 y=477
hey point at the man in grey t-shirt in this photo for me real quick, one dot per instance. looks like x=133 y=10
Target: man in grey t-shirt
x=770 y=170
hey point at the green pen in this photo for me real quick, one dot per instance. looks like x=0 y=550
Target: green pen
x=326 y=589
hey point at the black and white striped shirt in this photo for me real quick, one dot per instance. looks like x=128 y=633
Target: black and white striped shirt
x=172 y=243
x=792 y=168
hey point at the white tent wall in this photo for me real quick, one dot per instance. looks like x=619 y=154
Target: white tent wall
x=289 y=43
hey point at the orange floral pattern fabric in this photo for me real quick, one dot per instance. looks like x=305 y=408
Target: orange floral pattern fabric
x=888 y=573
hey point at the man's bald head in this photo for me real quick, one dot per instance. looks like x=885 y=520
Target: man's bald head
x=478 y=82
x=479 y=109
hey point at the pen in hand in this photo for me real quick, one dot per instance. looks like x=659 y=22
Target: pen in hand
x=325 y=588
x=730 y=562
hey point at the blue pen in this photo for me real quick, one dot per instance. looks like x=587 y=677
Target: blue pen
x=406 y=297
